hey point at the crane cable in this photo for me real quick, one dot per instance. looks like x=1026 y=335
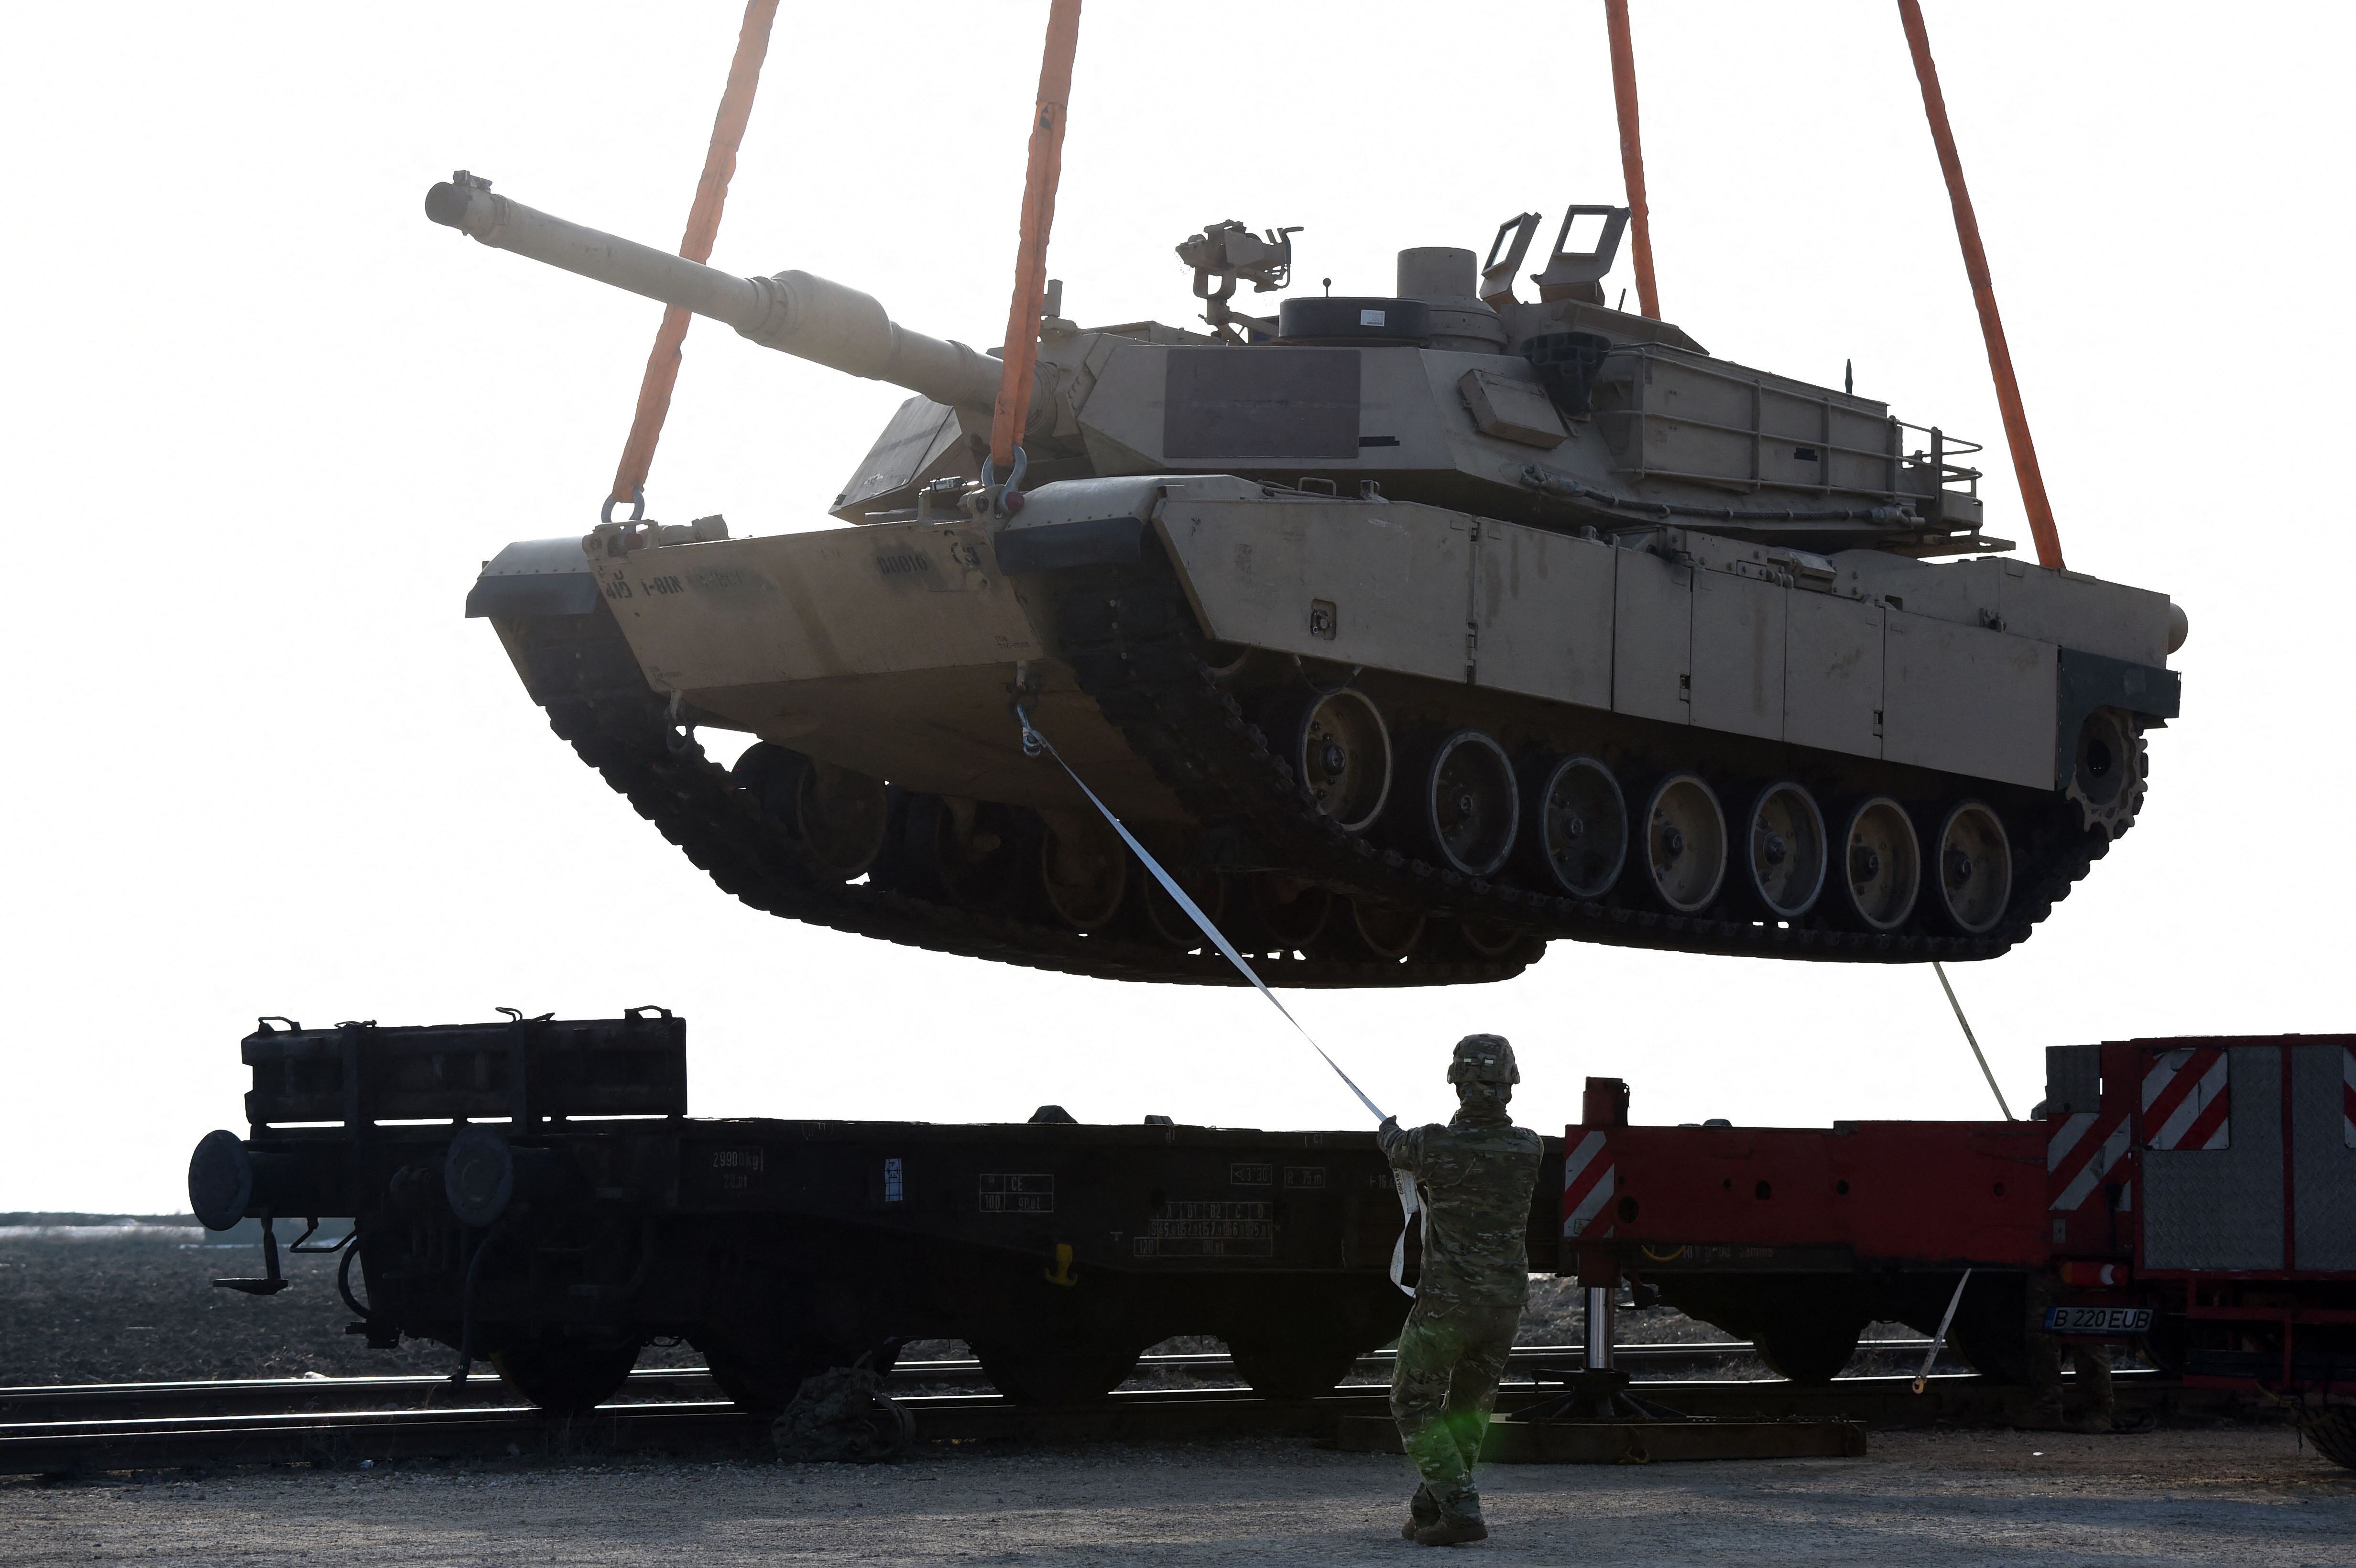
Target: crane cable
x=1632 y=154
x=1039 y=177
x=1967 y=230
x=1035 y=743
x=702 y=228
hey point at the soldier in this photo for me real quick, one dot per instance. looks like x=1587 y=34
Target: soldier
x=2090 y=1359
x=1475 y=1177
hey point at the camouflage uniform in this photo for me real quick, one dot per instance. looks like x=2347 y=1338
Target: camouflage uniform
x=1474 y=1178
x=2090 y=1359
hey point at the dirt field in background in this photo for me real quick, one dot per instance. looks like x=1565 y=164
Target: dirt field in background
x=2233 y=1497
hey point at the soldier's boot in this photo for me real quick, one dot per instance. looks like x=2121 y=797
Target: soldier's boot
x=1423 y=1510
x=2044 y=1412
x=1459 y=1522
x=2096 y=1420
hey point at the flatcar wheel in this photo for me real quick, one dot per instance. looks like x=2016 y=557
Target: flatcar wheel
x=1291 y=1362
x=1040 y=1372
x=1684 y=843
x=1579 y=822
x=565 y=1376
x=1806 y=1349
x=1342 y=757
x=1784 y=850
x=1881 y=864
x=842 y=816
x=1385 y=929
x=1470 y=809
x=1975 y=868
x=1167 y=922
x=1084 y=871
x=1287 y=912
x=966 y=851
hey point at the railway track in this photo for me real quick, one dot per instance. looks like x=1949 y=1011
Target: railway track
x=91 y=1428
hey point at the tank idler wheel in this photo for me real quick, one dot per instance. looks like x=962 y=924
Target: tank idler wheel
x=1342 y=755
x=1975 y=868
x=1285 y=911
x=1783 y=850
x=1470 y=809
x=1084 y=872
x=565 y=1376
x=1382 y=929
x=1684 y=843
x=1578 y=826
x=1881 y=864
x=2106 y=776
x=966 y=851
x=1169 y=924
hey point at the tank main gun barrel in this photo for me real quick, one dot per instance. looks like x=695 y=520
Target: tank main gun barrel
x=793 y=312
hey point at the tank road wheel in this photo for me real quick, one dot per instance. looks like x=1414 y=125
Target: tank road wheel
x=1287 y=912
x=1881 y=864
x=966 y=851
x=1975 y=868
x=1784 y=850
x=1084 y=871
x=2107 y=777
x=843 y=818
x=1165 y=919
x=1470 y=809
x=565 y=1376
x=1579 y=822
x=1343 y=758
x=1494 y=939
x=1382 y=929
x=1684 y=843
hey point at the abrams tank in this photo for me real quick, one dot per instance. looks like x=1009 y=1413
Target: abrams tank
x=1410 y=633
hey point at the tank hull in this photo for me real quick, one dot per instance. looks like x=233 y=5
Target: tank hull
x=1190 y=642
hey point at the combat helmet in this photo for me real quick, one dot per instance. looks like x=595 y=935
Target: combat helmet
x=1484 y=1058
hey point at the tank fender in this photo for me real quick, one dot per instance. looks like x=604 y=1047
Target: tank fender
x=535 y=577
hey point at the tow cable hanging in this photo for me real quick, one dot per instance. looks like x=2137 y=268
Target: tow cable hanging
x=1039 y=179
x=1034 y=744
x=1971 y=1040
x=1968 y=231
x=703 y=228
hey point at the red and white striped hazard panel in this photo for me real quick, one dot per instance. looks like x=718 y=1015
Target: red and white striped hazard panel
x=2348 y=1094
x=2078 y=1158
x=2188 y=1100
x=1587 y=1184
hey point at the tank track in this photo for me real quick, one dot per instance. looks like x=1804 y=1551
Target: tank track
x=581 y=671
x=1131 y=639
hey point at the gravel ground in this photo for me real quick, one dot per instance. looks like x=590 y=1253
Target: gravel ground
x=2237 y=1496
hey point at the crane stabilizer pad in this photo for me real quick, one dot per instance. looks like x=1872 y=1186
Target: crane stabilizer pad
x=1615 y=1442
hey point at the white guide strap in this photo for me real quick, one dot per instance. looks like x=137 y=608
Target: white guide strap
x=1033 y=743
x=1940 y=1339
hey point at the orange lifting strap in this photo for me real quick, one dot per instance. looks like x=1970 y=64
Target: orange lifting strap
x=703 y=228
x=1632 y=153
x=1038 y=214
x=1968 y=230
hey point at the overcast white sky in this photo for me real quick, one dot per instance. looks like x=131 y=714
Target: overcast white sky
x=262 y=421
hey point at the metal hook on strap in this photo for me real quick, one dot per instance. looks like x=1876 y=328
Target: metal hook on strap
x=638 y=507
